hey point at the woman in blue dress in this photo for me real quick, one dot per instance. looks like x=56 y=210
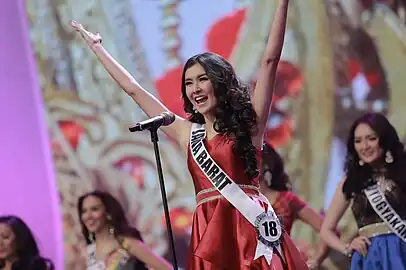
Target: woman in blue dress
x=375 y=188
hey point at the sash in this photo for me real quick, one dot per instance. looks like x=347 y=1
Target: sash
x=385 y=211
x=266 y=223
x=92 y=262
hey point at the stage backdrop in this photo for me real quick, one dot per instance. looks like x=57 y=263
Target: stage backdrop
x=340 y=60
x=27 y=179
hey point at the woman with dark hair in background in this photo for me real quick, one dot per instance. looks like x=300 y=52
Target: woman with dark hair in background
x=375 y=187
x=112 y=242
x=233 y=227
x=18 y=249
x=275 y=185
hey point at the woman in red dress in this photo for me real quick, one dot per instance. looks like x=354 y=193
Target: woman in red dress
x=233 y=123
x=275 y=185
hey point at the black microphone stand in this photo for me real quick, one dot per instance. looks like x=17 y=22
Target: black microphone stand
x=154 y=140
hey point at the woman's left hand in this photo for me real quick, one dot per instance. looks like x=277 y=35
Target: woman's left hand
x=313 y=264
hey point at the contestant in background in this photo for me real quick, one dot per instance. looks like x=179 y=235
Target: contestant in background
x=18 y=248
x=111 y=242
x=375 y=179
x=226 y=126
x=275 y=185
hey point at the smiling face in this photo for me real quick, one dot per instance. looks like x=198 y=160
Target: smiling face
x=94 y=214
x=366 y=144
x=199 y=90
x=7 y=242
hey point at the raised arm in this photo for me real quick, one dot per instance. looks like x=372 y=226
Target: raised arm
x=142 y=252
x=335 y=212
x=179 y=130
x=264 y=88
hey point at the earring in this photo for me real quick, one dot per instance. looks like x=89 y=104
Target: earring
x=194 y=110
x=268 y=177
x=91 y=237
x=388 y=157
x=111 y=230
x=361 y=163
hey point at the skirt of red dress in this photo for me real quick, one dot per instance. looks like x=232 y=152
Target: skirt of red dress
x=223 y=239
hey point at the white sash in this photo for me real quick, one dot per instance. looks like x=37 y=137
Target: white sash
x=266 y=223
x=385 y=211
x=92 y=262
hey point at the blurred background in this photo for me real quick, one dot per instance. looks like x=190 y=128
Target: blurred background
x=341 y=58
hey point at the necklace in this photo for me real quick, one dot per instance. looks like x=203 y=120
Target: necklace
x=383 y=183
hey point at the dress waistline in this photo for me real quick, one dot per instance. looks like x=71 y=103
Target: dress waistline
x=210 y=194
x=374 y=229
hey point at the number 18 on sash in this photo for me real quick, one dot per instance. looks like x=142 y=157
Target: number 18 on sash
x=269 y=229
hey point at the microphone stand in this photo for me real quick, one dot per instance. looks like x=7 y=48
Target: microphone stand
x=154 y=140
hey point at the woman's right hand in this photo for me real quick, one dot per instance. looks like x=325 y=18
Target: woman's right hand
x=90 y=38
x=360 y=244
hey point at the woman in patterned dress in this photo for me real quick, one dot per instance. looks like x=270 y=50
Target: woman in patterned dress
x=111 y=242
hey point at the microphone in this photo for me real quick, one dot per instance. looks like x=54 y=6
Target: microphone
x=164 y=119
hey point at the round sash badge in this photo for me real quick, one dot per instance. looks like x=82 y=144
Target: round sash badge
x=269 y=229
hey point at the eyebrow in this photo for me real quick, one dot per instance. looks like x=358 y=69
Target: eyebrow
x=198 y=76
x=369 y=135
x=93 y=206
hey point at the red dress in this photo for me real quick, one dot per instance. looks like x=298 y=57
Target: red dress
x=221 y=237
x=287 y=205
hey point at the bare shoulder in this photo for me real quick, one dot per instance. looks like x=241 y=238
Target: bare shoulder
x=131 y=243
x=339 y=197
x=184 y=135
x=178 y=130
x=341 y=183
x=128 y=241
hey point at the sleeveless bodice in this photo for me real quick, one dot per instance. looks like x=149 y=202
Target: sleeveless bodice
x=220 y=149
x=221 y=237
x=364 y=213
x=117 y=259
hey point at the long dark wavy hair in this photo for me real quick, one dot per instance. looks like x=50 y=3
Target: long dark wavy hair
x=114 y=209
x=118 y=221
x=234 y=113
x=273 y=162
x=27 y=252
x=359 y=177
